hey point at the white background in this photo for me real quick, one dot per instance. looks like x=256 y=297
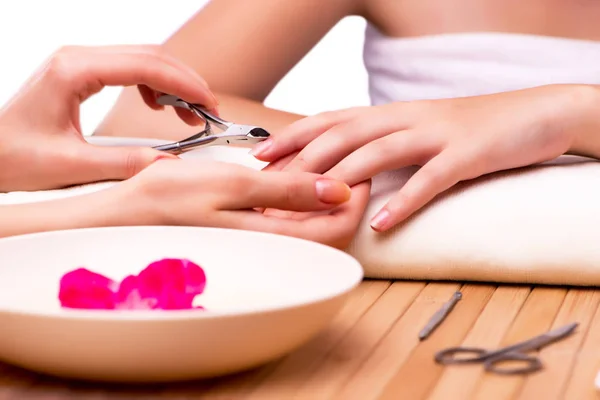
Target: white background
x=30 y=30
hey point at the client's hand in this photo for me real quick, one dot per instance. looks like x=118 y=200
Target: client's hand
x=41 y=143
x=453 y=140
x=200 y=193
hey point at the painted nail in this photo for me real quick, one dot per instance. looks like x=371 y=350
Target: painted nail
x=332 y=192
x=261 y=148
x=380 y=221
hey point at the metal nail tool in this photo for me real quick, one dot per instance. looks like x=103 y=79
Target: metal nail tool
x=515 y=352
x=232 y=133
x=439 y=316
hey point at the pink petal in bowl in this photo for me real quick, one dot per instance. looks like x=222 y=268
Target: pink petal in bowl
x=82 y=288
x=167 y=284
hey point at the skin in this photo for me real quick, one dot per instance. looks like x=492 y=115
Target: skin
x=266 y=35
x=46 y=150
x=184 y=192
x=59 y=154
x=439 y=136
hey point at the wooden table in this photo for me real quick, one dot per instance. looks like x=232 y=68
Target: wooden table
x=371 y=351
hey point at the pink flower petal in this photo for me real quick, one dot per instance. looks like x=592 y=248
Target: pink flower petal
x=173 y=282
x=128 y=297
x=168 y=284
x=85 y=289
x=180 y=275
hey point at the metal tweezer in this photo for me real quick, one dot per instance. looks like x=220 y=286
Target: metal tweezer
x=232 y=133
x=440 y=316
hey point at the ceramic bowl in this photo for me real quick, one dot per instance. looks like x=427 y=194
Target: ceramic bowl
x=265 y=296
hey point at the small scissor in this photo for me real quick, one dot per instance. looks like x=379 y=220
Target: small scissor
x=516 y=352
x=232 y=133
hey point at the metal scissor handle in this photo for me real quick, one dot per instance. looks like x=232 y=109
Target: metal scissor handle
x=207 y=117
x=232 y=133
x=515 y=352
x=459 y=355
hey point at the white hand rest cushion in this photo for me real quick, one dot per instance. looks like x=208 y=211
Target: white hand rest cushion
x=532 y=225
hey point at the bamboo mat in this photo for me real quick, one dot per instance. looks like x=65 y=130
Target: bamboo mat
x=371 y=351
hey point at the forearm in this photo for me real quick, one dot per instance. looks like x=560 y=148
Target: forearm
x=110 y=207
x=242 y=49
x=130 y=117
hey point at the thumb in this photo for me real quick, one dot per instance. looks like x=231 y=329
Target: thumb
x=117 y=162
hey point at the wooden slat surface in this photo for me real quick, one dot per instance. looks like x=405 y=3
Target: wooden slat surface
x=371 y=351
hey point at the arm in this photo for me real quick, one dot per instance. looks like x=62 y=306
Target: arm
x=243 y=49
x=104 y=208
x=195 y=193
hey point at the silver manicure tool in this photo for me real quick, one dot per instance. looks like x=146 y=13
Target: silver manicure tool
x=439 y=316
x=491 y=359
x=232 y=133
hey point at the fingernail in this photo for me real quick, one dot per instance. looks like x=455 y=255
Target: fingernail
x=261 y=148
x=332 y=192
x=381 y=220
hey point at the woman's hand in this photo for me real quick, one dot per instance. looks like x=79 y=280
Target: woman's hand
x=453 y=140
x=201 y=193
x=195 y=193
x=41 y=143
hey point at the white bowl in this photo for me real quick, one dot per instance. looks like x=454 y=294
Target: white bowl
x=265 y=296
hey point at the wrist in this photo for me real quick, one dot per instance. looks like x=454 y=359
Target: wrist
x=140 y=199
x=582 y=111
x=133 y=203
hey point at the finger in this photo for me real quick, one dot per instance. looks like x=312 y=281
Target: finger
x=188 y=117
x=438 y=175
x=285 y=191
x=151 y=49
x=276 y=166
x=335 y=229
x=150 y=98
x=95 y=163
x=332 y=146
x=397 y=150
x=280 y=164
x=89 y=72
x=283 y=214
x=299 y=134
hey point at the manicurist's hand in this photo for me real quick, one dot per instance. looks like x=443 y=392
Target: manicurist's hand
x=452 y=140
x=41 y=143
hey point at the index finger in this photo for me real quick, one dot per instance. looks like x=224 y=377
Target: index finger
x=283 y=190
x=299 y=134
x=336 y=228
x=134 y=65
